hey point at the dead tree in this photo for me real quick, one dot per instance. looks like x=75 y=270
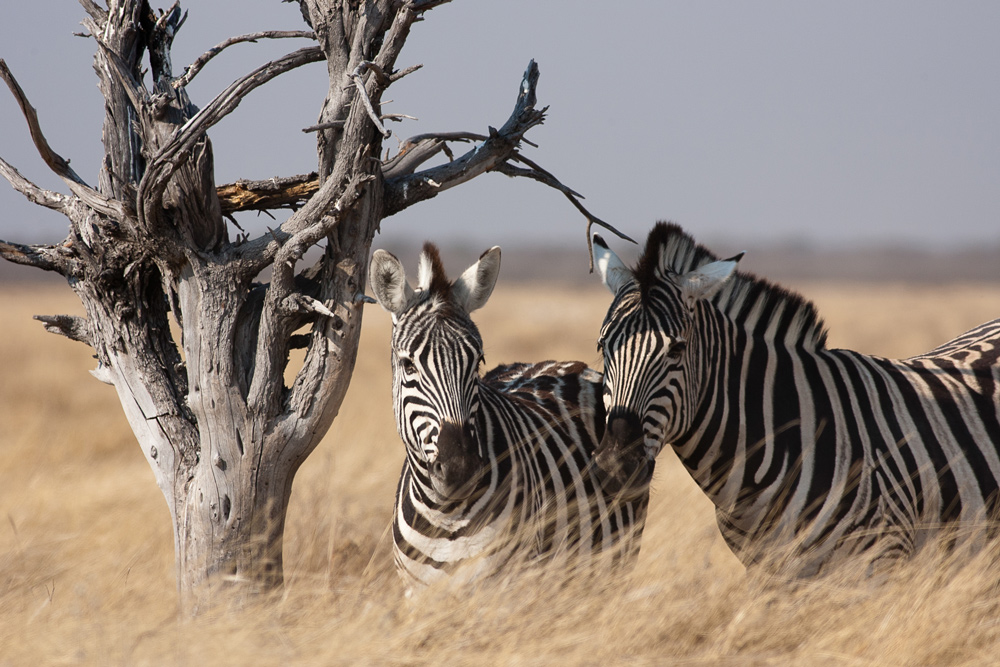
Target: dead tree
x=149 y=243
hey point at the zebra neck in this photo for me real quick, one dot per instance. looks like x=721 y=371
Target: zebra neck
x=748 y=426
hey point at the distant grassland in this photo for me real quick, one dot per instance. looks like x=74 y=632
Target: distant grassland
x=86 y=554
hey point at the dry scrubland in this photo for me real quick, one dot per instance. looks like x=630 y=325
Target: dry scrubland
x=86 y=559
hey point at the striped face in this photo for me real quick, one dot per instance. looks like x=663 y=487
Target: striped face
x=644 y=345
x=436 y=355
x=648 y=341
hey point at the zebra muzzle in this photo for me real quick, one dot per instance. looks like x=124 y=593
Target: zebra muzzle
x=620 y=463
x=458 y=468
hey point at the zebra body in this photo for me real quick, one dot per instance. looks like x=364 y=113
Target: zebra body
x=497 y=467
x=809 y=454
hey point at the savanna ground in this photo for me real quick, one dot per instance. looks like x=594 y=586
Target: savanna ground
x=86 y=557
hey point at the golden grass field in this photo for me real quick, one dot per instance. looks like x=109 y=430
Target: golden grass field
x=86 y=558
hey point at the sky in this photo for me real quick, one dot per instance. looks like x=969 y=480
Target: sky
x=749 y=123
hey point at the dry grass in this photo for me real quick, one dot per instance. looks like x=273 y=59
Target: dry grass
x=86 y=559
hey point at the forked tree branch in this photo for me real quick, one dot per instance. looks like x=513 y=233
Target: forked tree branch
x=419 y=149
x=299 y=233
x=56 y=162
x=96 y=12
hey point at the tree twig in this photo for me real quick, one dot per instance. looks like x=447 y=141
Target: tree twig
x=357 y=77
x=541 y=175
x=425 y=5
x=192 y=70
x=397 y=117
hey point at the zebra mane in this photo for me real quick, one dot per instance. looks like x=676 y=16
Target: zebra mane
x=746 y=299
x=430 y=275
x=434 y=287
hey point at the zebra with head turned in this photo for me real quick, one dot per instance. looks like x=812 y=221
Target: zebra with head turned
x=497 y=467
x=810 y=454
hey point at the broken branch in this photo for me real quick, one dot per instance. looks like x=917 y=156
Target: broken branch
x=74 y=328
x=47 y=258
x=270 y=194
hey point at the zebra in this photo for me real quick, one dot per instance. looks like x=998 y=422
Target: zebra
x=498 y=468
x=812 y=456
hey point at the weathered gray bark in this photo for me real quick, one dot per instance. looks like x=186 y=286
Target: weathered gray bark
x=219 y=428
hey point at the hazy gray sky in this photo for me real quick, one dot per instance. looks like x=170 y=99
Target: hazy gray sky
x=752 y=122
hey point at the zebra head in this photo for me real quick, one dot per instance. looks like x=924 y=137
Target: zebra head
x=436 y=354
x=647 y=341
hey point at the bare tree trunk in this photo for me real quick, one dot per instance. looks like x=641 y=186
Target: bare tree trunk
x=222 y=433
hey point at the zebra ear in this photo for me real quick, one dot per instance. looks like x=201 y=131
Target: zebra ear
x=614 y=273
x=473 y=289
x=388 y=281
x=705 y=281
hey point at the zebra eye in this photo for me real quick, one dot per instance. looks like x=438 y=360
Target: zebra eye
x=677 y=349
x=409 y=368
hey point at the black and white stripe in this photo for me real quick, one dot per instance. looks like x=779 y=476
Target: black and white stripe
x=498 y=467
x=810 y=454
